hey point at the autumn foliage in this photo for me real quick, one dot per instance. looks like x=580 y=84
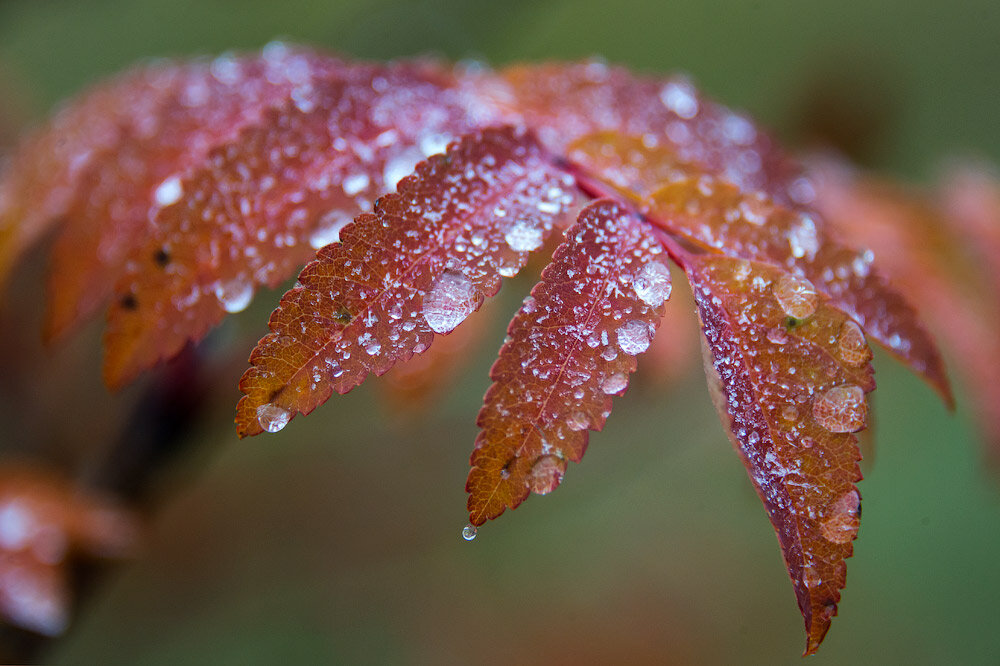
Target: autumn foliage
x=410 y=190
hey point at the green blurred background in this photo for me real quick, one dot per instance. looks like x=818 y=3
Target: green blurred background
x=337 y=540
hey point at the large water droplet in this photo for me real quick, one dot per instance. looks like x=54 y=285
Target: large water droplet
x=652 y=284
x=796 y=295
x=851 y=344
x=577 y=421
x=168 y=192
x=523 y=237
x=272 y=417
x=451 y=299
x=841 y=409
x=842 y=522
x=234 y=295
x=469 y=532
x=614 y=383
x=633 y=337
x=546 y=475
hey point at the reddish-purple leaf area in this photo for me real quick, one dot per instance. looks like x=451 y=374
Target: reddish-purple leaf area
x=418 y=266
x=793 y=372
x=263 y=203
x=571 y=346
x=564 y=102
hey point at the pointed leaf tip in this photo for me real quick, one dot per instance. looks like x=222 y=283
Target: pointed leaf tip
x=571 y=347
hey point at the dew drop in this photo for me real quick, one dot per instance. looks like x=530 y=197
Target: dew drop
x=802 y=239
x=615 y=383
x=652 y=284
x=546 y=474
x=328 y=229
x=841 y=409
x=754 y=210
x=851 y=344
x=168 y=192
x=234 y=295
x=577 y=421
x=469 y=532
x=272 y=418
x=679 y=97
x=796 y=296
x=355 y=184
x=842 y=524
x=778 y=335
x=790 y=413
x=451 y=299
x=811 y=577
x=808 y=442
x=633 y=337
x=523 y=237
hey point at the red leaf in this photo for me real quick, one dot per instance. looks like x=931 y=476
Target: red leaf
x=571 y=347
x=791 y=372
x=419 y=265
x=721 y=218
x=263 y=203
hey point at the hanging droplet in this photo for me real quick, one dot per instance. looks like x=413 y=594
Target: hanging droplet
x=841 y=409
x=614 y=383
x=234 y=295
x=633 y=337
x=451 y=299
x=851 y=345
x=524 y=237
x=842 y=522
x=469 y=532
x=652 y=284
x=272 y=417
x=796 y=295
x=546 y=474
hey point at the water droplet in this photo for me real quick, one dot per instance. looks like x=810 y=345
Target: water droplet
x=355 y=184
x=633 y=337
x=841 y=525
x=807 y=442
x=615 y=383
x=754 y=210
x=451 y=299
x=469 y=532
x=803 y=240
x=679 y=97
x=369 y=343
x=778 y=335
x=790 y=413
x=851 y=344
x=577 y=421
x=328 y=229
x=741 y=271
x=234 y=295
x=796 y=296
x=272 y=418
x=841 y=409
x=811 y=577
x=168 y=192
x=546 y=475
x=523 y=237
x=652 y=284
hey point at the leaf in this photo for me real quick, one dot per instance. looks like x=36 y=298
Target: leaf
x=571 y=346
x=422 y=262
x=116 y=198
x=944 y=252
x=263 y=203
x=721 y=218
x=564 y=102
x=792 y=372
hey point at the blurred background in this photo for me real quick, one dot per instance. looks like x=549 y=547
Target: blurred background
x=338 y=539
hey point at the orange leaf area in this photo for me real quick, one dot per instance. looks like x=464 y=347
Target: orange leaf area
x=791 y=374
x=944 y=252
x=421 y=263
x=44 y=520
x=720 y=217
x=571 y=346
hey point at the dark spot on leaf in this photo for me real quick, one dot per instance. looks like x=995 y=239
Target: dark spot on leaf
x=128 y=302
x=161 y=257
